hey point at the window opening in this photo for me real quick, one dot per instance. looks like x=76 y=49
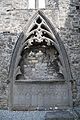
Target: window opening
x=39 y=20
x=31 y=4
x=35 y=4
x=41 y=3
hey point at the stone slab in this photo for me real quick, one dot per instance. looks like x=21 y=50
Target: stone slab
x=60 y=115
x=22 y=115
x=68 y=114
x=44 y=96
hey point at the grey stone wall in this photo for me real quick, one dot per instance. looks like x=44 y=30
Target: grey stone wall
x=7 y=42
x=70 y=35
x=14 y=17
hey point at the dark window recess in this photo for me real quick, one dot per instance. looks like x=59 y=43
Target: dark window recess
x=8 y=10
x=34 y=27
x=79 y=30
x=18 y=77
x=77 y=7
x=39 y=20
x=44 y=27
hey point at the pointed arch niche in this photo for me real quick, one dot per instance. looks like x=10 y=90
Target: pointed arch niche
x=39 y=72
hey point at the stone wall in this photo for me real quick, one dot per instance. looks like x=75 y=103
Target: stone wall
x=14 y=17
x=70 y=34
x=7 y=42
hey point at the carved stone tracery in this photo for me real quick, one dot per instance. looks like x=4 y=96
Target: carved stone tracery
x=39 y=68
x=39 y=57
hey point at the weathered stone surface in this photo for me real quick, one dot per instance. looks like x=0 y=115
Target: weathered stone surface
x=61 y=115
x=14 y=16
x=77 y=111
x=39 y=60
x=7 y=42
x=30 y=115
x=39 y=115
x=40 y=96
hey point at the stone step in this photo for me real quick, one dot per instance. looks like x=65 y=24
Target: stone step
x=40 y=115
x=61 y=115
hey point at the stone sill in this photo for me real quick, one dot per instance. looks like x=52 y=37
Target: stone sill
x=39 y=81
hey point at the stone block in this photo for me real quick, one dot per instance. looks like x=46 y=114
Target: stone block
x=59 y=115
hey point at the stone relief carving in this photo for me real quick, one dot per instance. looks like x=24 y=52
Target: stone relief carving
x=39 y=58
x=41 y=36
x=39 y=63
